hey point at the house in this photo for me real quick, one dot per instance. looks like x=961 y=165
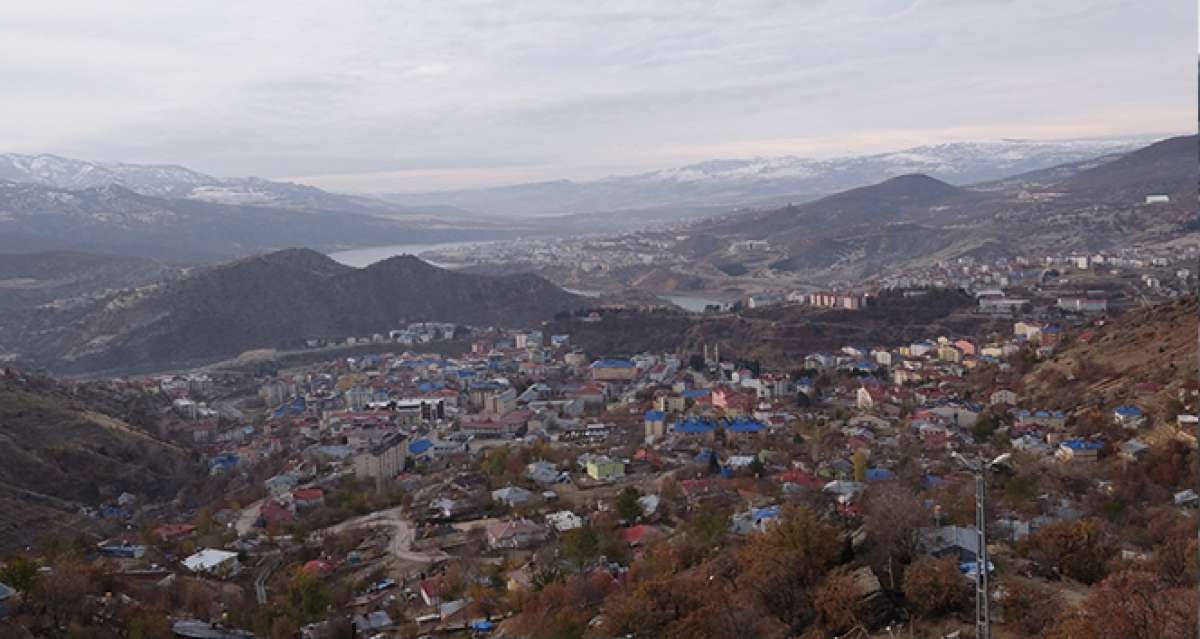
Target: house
x=280 y=485
x=377 y=620
x=1076 y=451
x=564 y=520
x=1133 y=450
x=961 y=542
x=432 y=590
x=308 y=497
x=1130 y=417
x=869 y=395
x=754 y=520
x=1003 y=396
x=544 y=472
x=220 y=563
x=171 y=532
x=513 y=534
x=6 y=595
x=512 y=496
x=640 y=534
x=605 y=469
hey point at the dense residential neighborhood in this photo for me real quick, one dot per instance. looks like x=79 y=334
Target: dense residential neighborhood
x=520 y=486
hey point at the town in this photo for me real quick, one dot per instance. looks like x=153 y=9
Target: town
x=524 y=487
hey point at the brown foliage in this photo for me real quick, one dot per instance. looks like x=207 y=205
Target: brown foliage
x=893 y=516
x=838 y=602
x=1075 y=549
x=1131 y=605
x=935 y=586
x=1029 y=606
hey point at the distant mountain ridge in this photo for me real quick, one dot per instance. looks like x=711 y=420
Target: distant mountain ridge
x=744 y=182
x=276 y=300
x=1083 y=206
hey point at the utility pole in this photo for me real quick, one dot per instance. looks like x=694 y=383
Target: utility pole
x=980 y=468
x=983 y=620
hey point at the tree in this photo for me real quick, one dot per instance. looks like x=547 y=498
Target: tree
x=1131 y=605
x=838 y=602
x=20 y=573
x=580 y=546
x=307 y=595
x=64 y=590
x=782 y=567
x=894 y=514
x=1028 y=605
x=628 y=507
x=935 y=586
x=1075 y=549
x=708 y=525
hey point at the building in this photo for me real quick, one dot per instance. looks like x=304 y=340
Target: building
x=1078 y=451
x=605 y=469
x=613 y=370
x=383 y=460
x=519 y=533
x=656 y=425
x=1130 y=417
x=220 y=563
x=1082 y=305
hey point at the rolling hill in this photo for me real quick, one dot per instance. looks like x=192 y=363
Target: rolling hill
x=277 y=300
x=65 y=447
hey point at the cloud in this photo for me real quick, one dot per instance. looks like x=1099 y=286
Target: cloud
x=400 y=95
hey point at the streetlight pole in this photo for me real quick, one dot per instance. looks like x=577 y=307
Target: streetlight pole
x=983 y=618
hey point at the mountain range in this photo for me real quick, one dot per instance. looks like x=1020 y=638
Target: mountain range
x=173 y=213
x=1082 y=206
x=775 y=180
x=277 y=300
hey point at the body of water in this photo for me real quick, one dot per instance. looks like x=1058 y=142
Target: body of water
x=361 y=257
x=358 y=258
x=691 y=302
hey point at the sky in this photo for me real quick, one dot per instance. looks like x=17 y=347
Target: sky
x=399 y=96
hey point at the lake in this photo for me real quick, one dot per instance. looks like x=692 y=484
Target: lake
x=358 y=258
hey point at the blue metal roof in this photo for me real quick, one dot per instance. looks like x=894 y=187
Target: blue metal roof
x=745 y=425
x=694 y=425
x=420 y=446
x=1082 y=444
x=612 y=363
x=655 y=415
x=879 y=474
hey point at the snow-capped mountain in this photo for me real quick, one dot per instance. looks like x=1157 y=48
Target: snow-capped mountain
x=718 y=183
x=177 y=182
x=66 y=173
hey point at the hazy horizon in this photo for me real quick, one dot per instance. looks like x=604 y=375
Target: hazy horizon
x=404 y=97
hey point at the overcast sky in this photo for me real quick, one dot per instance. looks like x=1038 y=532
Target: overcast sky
x=405 y=96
